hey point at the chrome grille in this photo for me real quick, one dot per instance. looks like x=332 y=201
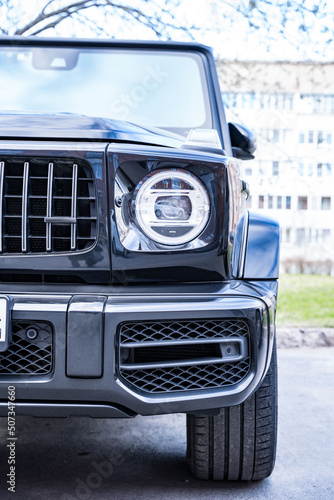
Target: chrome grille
x=30 y=351
x=173 y=356
x=47 y=205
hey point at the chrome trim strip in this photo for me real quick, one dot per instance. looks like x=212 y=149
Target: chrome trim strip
x=243 y=352
x=177 y=363
x=176 y=302
x=25 y=206
x=60 y=220
x=42 y=307
x=163 y=343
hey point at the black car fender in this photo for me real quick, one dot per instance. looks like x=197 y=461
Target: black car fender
x=256 y=248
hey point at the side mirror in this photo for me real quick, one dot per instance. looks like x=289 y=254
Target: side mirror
x=243 y=141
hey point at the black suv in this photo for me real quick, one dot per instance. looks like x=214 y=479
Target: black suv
x=132 y=278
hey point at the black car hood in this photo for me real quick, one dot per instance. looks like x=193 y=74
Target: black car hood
x=66 y=126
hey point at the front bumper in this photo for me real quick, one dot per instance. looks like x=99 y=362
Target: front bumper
x=93 y=370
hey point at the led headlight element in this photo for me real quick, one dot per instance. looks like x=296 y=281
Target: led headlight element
x=171 y=206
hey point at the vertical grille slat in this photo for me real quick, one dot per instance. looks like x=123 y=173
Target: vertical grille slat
x=25 y=206
x=2 y=174
x=47 y=205
x=74 y=206
x=49 y=209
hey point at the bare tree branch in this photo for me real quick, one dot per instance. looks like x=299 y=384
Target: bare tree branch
x=269 y=20
x=59 y=15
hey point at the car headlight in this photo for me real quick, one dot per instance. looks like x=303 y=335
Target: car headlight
x=171 y=207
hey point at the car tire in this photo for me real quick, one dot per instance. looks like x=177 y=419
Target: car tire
x=240 y=442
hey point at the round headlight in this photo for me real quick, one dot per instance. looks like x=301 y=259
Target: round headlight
x=172 y=206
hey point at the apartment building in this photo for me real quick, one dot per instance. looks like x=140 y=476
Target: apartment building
x=290 y=106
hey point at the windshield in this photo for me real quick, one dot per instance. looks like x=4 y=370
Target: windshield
x=152 y=88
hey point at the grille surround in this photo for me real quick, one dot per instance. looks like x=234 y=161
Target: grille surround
x=47 y=205
x=26 y=356
x=182 y=375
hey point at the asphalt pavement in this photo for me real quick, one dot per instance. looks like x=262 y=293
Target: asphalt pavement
x=144 y=458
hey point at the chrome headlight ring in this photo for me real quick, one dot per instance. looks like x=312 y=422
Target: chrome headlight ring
x=171 y=206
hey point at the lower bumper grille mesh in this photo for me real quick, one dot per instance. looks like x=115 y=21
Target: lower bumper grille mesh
x=183 y=349
x=30 y=352
x=187 y=377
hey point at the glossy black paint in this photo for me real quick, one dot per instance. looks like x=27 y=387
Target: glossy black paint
x=256 y=247
x=262 y=251
x=243 y=141
x=209 y=263
x=74 y=127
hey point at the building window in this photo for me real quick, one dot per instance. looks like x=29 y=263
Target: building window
x=320 y=103
x=324 y=169
x=276 y=101
x=301 y=169
x=270 y=201
x=261 y=201
x=275 y=168
x=325 y=203
x=288 y=202
x=248 y=172
x=302 y=202
x=276 y=135
x=312 y=137
x=328 y=103
x=310 y=169
x=279 y=202
x=326 y=235
x=249 y=202
x=288 y=235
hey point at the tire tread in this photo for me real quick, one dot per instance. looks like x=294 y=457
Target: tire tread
x=240 y=442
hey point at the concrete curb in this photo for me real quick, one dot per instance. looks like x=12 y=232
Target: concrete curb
x=305 y=337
